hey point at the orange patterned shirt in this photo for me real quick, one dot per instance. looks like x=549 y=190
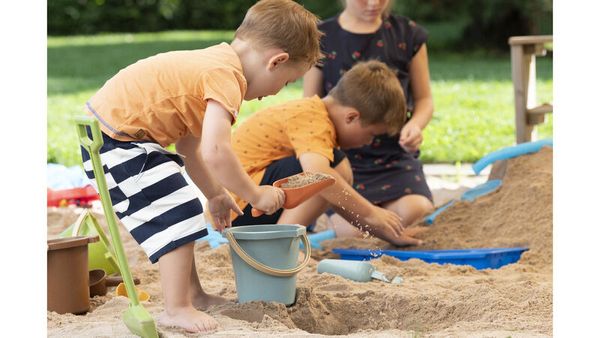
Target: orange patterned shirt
x=289 y=129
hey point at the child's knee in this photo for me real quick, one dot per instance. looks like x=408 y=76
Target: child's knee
x=426 y=206
x=419 y=204
x=411 y=207
x=345 y=170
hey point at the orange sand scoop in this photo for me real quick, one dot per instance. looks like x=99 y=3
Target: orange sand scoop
x=300 y=187
x=142 y=295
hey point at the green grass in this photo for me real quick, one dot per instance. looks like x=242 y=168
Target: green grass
x=473 y=93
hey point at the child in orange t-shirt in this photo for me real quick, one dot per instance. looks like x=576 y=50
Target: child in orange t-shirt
x=304 y=135
x=191 y=98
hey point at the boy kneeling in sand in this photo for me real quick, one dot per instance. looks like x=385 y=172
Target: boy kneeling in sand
x=304 y=135
x=191 y=98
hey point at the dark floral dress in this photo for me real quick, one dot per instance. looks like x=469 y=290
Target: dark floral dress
x=383 y=171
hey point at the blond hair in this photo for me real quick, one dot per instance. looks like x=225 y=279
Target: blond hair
x=283 y=24
x=373 y=89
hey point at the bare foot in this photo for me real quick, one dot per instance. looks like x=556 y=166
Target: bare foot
x=203 y=301
x=188 y=319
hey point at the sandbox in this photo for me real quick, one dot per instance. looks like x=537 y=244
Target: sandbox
x=433 y=300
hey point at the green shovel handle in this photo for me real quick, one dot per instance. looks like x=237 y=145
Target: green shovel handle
x=95 y=143
x=93 y=146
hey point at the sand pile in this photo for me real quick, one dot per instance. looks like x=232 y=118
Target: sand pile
x=433 y=300
x=518 y=214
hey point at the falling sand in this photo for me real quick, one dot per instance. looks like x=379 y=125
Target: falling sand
x=434 y=300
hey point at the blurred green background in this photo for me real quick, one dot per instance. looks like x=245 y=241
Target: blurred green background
x=89 y=41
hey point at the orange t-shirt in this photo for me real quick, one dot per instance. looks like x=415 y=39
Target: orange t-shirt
x=292 y=128
x=163 y=97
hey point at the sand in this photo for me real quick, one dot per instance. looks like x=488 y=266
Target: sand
x=434 y=300
x=304 y=179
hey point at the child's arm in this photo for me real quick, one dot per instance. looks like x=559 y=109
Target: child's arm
x=351 y=205
x=313 y=82
x=219 y=201
x=221 y=159
x=411 y=135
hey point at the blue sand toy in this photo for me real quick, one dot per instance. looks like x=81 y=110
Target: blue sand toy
x=358 y=271
x=487 y=258
x=429 y=219
x=315 y=239
x=481 y=190
x=510 y=152
x=214 y=238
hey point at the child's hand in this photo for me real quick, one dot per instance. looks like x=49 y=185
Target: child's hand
x=269 y=200
x=411 y=137
x=219 y=207
x=383 y=218
x=388 y=233
x=389 y=228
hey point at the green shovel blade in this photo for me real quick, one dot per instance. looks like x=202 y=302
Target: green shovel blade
x=138 y=321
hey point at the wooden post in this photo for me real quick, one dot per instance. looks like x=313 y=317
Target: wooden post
x=521 y=65
x=523 y=50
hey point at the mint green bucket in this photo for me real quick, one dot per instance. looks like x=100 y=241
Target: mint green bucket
x=265 y=261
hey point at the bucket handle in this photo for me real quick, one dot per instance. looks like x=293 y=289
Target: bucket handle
x=267 y=269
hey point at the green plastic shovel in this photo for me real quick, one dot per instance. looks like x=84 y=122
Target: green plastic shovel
x=136 y=317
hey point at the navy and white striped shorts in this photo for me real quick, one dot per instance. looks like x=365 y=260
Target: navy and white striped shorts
x=151 y=194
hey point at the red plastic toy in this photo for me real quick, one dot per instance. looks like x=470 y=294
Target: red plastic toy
x=77 y=196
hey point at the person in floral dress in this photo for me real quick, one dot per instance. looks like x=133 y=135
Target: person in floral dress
x=387 y=172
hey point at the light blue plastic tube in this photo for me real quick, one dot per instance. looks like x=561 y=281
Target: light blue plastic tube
x=510 y=152
x=359 y=271
x=480 y=190
x=431 y=217
x=469 y=195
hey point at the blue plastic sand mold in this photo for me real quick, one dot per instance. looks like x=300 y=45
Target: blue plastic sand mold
x=510 y=152
x=488 y=258
x=214 y=238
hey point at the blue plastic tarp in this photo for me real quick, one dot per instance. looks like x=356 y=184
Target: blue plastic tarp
x=60 y=177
